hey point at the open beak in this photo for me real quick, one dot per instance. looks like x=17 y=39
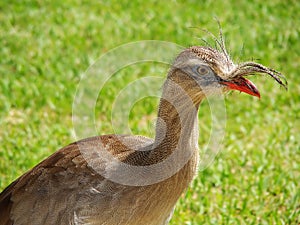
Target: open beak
x=242 y=84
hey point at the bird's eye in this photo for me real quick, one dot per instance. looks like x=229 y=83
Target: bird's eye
x=202 y=70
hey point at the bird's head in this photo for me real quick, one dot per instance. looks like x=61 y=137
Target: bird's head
x=212 y=70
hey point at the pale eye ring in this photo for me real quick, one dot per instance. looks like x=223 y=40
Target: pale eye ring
x=202 y=70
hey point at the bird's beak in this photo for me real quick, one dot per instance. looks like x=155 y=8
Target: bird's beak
x=242 y=84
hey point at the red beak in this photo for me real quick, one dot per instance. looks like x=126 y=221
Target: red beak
x=244 y=85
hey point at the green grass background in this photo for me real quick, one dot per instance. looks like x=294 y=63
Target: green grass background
x=47 y=45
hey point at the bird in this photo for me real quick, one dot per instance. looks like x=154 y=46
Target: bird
x=144 y=178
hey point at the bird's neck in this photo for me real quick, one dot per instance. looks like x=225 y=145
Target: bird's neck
x=177 y=123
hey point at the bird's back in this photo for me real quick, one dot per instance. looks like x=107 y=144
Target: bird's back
x=64 y=189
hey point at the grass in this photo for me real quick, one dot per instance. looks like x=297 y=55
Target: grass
x=47 y=45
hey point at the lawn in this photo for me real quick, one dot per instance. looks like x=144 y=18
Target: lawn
x=47 y=45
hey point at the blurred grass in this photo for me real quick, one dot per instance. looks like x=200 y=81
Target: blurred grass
x=47 y=45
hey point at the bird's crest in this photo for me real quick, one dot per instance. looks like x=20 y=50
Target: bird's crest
x=219 y=58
